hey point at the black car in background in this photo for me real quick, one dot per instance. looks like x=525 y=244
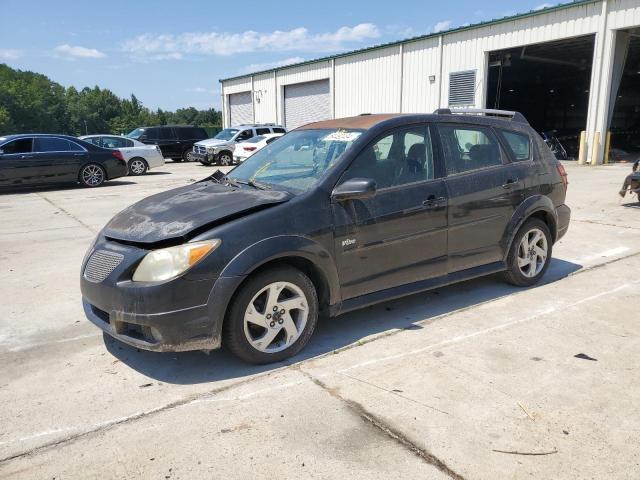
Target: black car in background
x=334 y=216
x=175 y=141
x=39 y=159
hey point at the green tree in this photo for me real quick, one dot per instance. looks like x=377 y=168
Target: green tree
x=31 y=102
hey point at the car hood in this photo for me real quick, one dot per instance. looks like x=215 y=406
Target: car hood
x=213 y=142
x=182 y=213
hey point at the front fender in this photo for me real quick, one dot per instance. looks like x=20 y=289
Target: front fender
x=533 y=204
x=254 y=257
x=284 y=246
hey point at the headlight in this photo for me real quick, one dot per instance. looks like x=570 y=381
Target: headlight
x=166 y=263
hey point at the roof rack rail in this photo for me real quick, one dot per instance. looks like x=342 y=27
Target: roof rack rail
x=513 y=116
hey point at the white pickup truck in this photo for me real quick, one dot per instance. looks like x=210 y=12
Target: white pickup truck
x=219 y=149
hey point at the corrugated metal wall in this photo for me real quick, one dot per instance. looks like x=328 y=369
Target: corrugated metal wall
x=367 y=83
x=379 y=80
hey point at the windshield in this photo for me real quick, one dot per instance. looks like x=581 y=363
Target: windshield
x=226 y=134
x=135 y=133
x=298 y=160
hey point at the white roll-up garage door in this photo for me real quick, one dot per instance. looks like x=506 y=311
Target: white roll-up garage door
x=306 y=102
x=240 y=108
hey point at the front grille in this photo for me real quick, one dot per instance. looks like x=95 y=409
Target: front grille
x=101 y=264
x=200 y=149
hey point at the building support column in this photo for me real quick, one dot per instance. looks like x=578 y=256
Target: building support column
x=253 y=101
x=597 y=115
x=332 y=87
x=224 y=109
x=440 y=52
x=401 y=54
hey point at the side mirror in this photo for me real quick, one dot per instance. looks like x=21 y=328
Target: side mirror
x=354 y=189
x=1 y=152
x=142 y=138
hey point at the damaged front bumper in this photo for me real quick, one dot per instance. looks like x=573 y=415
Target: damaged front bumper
x=177 y=315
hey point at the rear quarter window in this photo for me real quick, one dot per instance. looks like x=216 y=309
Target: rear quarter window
x=519 y=144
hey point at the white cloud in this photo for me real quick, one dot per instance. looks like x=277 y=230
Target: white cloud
x=69 y=51
x=543 y=6
x=203 y=90
x=256 y=67
x=9 y=54
x=213 y=43
x=443 y=25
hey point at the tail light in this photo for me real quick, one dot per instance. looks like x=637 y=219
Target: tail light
x=249 y=149
x=563 y=175
x=118 y=155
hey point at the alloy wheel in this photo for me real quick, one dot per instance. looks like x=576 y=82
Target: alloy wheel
x=276 y=317
x=138 y=167
x=225 y=159
x=92 y=175
x=532 y=252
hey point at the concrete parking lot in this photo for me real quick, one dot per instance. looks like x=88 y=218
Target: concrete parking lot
x=477 y=381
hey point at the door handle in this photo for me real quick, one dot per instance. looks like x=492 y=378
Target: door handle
x=434 y=202
x=512 y=182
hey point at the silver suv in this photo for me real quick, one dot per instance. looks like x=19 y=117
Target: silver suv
x=219 y=149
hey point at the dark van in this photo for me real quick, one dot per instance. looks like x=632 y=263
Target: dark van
x=175 y=141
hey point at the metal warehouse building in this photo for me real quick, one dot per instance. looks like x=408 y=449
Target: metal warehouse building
x=570 y=68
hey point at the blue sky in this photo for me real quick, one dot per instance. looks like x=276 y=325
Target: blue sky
x=171 y=54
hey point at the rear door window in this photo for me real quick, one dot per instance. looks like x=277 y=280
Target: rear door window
x=54 y=144
x=152 y=133
x=469 y=148
x=200 y=134
x=115 y=142
x=93 y=140
x=21 y=145
x=519 y=144
x=244 y=135
x=166 y=133
x=186 y=133
x=262 y=131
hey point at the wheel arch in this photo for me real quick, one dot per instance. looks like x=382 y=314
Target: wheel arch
x=299 y=252
x=538 y=206
x=92 y=162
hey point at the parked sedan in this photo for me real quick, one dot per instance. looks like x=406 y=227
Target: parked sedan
x=36 y=159
x=244 y=150
x=139 y=157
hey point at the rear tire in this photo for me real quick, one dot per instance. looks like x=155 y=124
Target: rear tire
x=138 y=166
x=92 y=175
x=272 y=317
x=187 y=155
x=530 y=254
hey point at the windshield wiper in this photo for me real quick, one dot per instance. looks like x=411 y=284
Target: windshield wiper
x=254 y=184
x=258 y=185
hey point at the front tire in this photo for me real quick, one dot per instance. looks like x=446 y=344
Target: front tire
x=92 y=175
x=138 y=166
x=530 y=254
x=225 y=159
x=272 y=317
